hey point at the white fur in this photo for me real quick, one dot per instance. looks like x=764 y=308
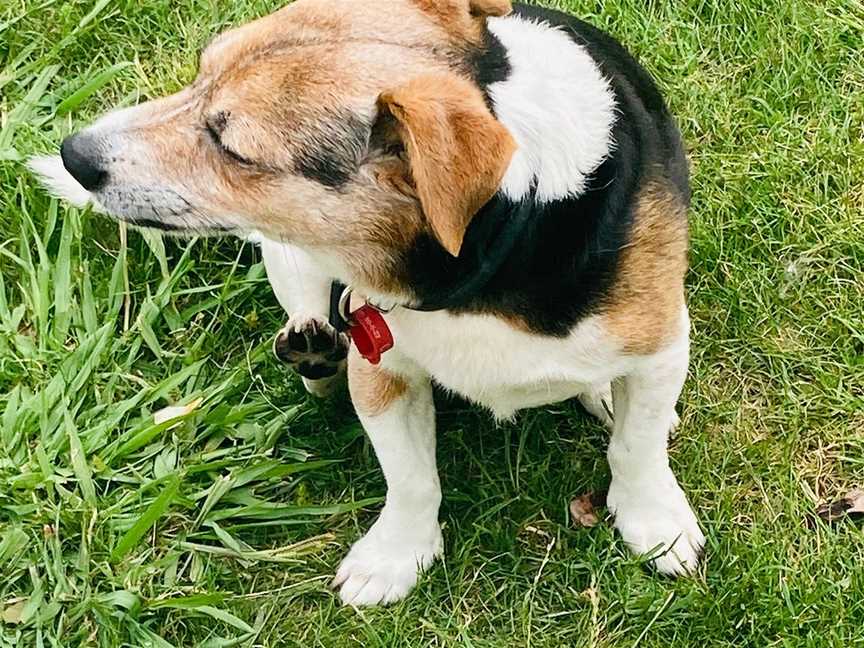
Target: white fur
x=505 y=369
x=118 y=119
x=651 y=511
x=466 y=354
x=308 y=290
x=255 y=237
x=58 y=181
x=556 y=104
x=382 y=567
x=305 y=297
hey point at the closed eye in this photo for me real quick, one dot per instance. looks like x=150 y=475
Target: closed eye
x=216 y=138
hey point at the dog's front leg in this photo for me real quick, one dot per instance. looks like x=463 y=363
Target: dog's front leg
x=651 y=511
x=398 y=414
x=308 y=343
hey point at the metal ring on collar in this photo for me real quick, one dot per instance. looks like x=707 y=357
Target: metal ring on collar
x=345 y=304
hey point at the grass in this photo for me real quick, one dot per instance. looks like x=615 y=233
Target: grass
x=222 y=527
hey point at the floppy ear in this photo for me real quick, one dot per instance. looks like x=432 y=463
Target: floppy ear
x=457 y=151
x=464 y=18
x=490 y=7
x=474 y=7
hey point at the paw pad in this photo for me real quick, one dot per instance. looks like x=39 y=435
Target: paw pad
x=312 y=347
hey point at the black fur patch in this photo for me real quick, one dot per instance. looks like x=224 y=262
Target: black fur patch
x=557 y=272
x=332 y=154
x=565 y=262
x=489 y=64
x=323 y=167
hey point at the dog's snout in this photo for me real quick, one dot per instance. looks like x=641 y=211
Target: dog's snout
x=82 y=160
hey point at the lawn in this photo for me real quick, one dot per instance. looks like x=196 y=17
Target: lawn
x=223 y=527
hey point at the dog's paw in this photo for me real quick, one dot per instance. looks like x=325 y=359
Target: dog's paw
x=657 y=520
x=314 y=349
x=382 y=568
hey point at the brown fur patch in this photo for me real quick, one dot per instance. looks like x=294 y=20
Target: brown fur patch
x=644 y=309
x=372 y=388
x=491 y=7
x=457 y=149
x=463 y=19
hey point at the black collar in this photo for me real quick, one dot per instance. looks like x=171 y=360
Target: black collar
x=489 y=242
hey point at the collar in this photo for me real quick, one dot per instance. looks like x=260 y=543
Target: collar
x=489 y=242
x=365 y=326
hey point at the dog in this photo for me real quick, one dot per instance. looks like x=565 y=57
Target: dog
x=497 y=191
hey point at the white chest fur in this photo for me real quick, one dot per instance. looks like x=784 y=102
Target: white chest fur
x=494 y=364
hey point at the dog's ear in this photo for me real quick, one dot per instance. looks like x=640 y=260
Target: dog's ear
x=490 y=7
x=463 y=19
x=457 y=151
x=473 y=7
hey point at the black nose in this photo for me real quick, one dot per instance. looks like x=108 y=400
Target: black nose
x=81 y=159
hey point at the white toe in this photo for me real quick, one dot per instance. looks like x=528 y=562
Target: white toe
x=676 y=425
x=377 y=571
x=657 y=520
x=325 y=387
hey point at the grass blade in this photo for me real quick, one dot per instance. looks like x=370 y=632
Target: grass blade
x=151 y=515
x=79 y=463
x=90 y=88
x=63 y=283
x=26 y=108
x=225 y=617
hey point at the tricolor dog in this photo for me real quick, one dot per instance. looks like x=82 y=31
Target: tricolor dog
x=504 y=191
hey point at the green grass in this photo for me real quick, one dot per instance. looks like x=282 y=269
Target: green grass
x=224 y=529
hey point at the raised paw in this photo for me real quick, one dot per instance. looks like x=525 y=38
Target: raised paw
x=313 y=348
x=382 y=567
x=657 y=520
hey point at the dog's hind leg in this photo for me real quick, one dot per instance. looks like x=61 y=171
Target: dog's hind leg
x=398 y=414
x=598 y=403
x=651 y=511
x=308 y=343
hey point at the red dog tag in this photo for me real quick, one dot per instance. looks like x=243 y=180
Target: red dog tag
x=370 y=333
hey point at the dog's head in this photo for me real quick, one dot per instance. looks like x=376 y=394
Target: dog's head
x=346 y=125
